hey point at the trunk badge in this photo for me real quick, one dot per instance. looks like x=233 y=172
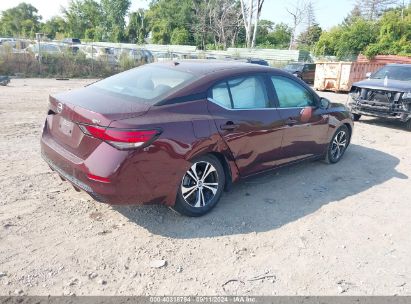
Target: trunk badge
x=95 y=121
x=59 y=107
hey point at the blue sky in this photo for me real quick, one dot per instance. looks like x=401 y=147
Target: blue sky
x=328 y=12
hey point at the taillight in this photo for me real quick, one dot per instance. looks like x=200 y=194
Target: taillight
x=121 y=138
x=98 y=178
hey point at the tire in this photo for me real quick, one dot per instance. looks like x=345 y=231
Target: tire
x=338 y=145
x=197 y=195
x=356 y=117
x=408 y=125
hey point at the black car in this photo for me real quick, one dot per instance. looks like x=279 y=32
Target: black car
x=386 y=93
x=304 y=71
x=258 y=61
x=253 y=61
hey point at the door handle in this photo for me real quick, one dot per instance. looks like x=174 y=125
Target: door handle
x=291 y=122
x=229 y=126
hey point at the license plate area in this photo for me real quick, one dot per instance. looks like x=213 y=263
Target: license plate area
x=66 y=126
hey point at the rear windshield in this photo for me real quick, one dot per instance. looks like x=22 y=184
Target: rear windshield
x=394 y=72
x=147 y=83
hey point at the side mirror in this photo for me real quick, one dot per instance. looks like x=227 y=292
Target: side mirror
x=306 y=114
x=368 y=74
x=324 y=103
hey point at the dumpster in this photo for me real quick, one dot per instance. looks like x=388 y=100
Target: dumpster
x=339 y=76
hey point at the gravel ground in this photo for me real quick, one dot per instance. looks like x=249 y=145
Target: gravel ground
x=312 y=229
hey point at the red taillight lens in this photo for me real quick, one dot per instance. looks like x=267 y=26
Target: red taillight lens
x=98 y=178
x=121 y=138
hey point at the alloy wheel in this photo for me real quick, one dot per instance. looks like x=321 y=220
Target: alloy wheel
x=200 y=184
x=338 y=145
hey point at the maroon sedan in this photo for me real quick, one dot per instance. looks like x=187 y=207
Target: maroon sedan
x=181 y=133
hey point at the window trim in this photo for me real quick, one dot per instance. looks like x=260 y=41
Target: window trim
x=303 y=85
x=263 y=76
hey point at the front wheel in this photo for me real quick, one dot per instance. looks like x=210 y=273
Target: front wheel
x=338 y=145
x=201 y=187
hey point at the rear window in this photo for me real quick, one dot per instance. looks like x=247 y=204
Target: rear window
x=147 y=83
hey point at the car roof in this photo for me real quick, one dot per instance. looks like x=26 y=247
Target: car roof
x=203 y=67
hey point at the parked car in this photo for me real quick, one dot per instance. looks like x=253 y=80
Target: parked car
x=100 y=54
x=135 y=54
x=304 y=71
x=43 y=49
x=257 y=61
x=386 y=93
x=179 y=134
x=4 y=80
x=166 y=56
x=2 y=40
x=71 y=41
x=148 y=55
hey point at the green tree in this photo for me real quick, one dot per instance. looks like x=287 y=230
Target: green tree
x=168 y=15
x=278 y=36
x=138 y=27
x=22 y=20
x=308 y=38
x=264 y=28
x=114 y=12
x=395 y=34
x=54 y=26
x=83 y=16
x=180 y=36
x=346 y=41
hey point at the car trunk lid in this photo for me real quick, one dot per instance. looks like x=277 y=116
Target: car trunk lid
x=87 y=106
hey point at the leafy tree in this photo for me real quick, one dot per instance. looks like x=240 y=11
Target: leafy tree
x=264 y=28
x=114 y=12
x=345 y=41
x=278 y=36
x=22 y=20
x=138 y=27
x=394 y=35
x=167 y=15
x=180 y=36
x=83 y=18
x=309 y=37
x=54 y=26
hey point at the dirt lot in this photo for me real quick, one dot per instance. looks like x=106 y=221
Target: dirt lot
x=313 y=229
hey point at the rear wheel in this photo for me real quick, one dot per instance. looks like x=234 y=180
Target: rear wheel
x=338 y=145
x=356 y=117
x=201 y=187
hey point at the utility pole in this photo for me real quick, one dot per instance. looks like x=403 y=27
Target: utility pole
x=38 y=38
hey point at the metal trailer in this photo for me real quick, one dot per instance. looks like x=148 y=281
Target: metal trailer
x=339 y=76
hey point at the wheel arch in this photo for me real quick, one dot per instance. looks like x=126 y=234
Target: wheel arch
x=227 y=169
x=349 y=127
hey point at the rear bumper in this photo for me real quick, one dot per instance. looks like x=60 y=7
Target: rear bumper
x=126 y=185
x=74 y=181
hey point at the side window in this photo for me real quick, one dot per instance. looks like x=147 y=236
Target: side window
x=248 y=93
x=220 y=95
x=291 y=94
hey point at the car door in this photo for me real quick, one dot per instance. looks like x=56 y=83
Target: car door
x=302 y=138
x=247 y=120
